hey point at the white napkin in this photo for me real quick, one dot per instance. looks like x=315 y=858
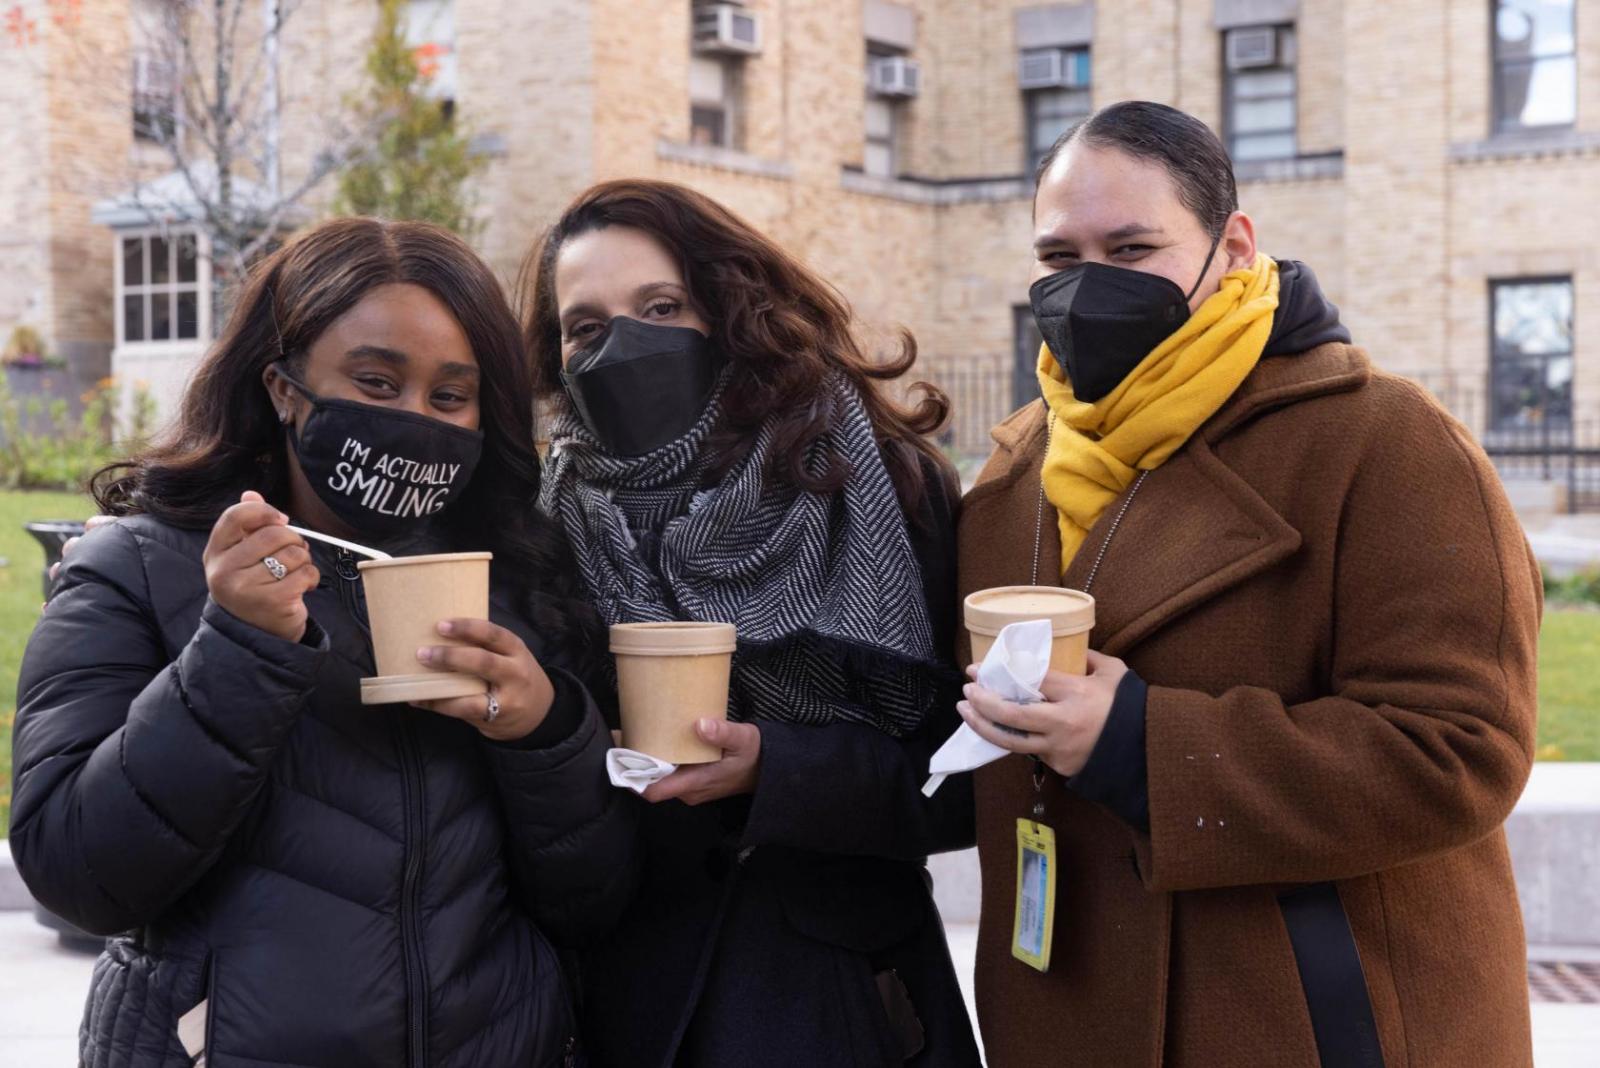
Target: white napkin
x=1014 y=668
x=636 y=771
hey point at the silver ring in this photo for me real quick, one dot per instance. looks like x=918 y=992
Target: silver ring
x=492 y=712
x=277 y=569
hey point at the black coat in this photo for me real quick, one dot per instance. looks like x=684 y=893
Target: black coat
x=763 y=923
x=345 y=885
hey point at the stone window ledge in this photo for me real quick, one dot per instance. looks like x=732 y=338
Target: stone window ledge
x=1320 y=167
x=490 y=144
x=929 y=191
x=725 y=159
x=1527 y=144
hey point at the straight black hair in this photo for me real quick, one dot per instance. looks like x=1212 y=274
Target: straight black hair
x=1181 y=143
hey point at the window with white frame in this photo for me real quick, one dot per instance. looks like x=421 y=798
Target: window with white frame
x=713 y=101
x=430 y=28
x=893 y=80
x=878 y=149
x=1530 y=355
x=155 y=97
x=158 y=287
x=1535 y=64
x=1259 y=92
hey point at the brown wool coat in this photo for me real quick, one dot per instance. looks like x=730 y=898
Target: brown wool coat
x=1336 y=612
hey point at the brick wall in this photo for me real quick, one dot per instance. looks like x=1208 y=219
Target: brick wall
x=1404 y=232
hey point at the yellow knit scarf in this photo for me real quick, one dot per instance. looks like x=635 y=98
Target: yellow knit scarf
x=1097 y=450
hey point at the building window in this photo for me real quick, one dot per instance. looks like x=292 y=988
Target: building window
x=722 y=38
x=158 y=283
x=878 y=150
x=1259 y=92
x=155 y=98
x=1055 y=94
x=892 y=78
x=1026 y=341
x=1530 y=361
x=1051 y=113
x=430 y=29
x=713 y=101
x=1535 y=64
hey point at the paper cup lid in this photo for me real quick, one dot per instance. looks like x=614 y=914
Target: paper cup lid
x=673 y=639
x=1069 y=611
x=432 y=558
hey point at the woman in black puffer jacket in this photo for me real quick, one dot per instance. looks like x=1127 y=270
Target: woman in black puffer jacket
x=300 y=879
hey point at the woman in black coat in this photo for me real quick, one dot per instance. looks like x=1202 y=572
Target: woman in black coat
x=296 y=878
x=722 y=452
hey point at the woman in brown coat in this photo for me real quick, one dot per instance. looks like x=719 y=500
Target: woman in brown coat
x=1278 y=795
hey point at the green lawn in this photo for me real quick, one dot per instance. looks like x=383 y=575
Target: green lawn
x=20 y=597
x=1569 y=650
x=1569 y=685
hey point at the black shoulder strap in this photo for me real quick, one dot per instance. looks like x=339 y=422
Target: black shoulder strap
x=1330 y=972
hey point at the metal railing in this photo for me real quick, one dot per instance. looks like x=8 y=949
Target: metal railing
x=1563 y=451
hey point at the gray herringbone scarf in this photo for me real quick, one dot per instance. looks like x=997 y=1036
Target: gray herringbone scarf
x=824 y=589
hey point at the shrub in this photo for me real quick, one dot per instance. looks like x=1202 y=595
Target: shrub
x=1581 y=588
x=67 y=450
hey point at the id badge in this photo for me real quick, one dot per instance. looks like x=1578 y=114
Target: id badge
x=1036 y=894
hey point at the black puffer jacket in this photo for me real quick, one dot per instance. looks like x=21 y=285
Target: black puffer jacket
x=344 y=885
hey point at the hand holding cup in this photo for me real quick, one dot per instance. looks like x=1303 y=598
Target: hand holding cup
x=735 y=773
x=1062 y=729
x=520 y=693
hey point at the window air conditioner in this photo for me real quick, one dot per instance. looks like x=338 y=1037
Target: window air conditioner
x=1256 y=47
x=726 y=28
x=1050 y=68
x=894 y=76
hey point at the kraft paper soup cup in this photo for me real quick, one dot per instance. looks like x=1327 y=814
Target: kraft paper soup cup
x=407 y=598
x=668 y=676
x=1070 y=612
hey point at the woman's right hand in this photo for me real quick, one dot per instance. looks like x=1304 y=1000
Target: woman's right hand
x=239 y=579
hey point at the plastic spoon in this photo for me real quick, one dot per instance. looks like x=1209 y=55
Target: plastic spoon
x=359 y=550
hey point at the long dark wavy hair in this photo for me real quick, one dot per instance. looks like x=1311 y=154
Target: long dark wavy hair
x=227 y=439
x=782 y=326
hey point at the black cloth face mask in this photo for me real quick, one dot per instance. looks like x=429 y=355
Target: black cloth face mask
x=382 y=471
x=638 y=386
x=1102 y=321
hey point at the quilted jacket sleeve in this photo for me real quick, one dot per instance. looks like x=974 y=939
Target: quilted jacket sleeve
x=133 y=768
x=572 y=832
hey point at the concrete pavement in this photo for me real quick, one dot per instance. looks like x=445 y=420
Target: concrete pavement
x=42 y=988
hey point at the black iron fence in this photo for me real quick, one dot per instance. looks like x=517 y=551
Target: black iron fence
x=980 y=393
x=1561 y=450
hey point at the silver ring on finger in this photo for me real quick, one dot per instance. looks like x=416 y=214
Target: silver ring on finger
x=278 y=570
x=491 y=711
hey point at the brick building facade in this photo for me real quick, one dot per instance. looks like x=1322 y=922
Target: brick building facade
x=1438 y=164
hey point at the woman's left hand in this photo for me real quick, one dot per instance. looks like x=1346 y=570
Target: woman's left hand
x=498 y=657
x=735 y=773
x=1060 y=730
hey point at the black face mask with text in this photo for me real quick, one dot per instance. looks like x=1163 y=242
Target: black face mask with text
x=638 y=386
x=1102 y=321
x=382 y=471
